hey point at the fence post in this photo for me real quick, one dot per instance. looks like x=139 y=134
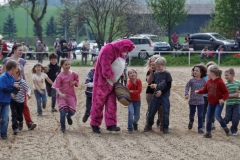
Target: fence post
x=218 y=58
x=160 y=54
x=189 y=57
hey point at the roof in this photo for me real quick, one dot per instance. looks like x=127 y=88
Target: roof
x=194 y=9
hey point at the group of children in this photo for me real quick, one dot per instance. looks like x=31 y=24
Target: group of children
x=59 y=81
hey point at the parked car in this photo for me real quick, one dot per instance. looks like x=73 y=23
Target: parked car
x=79 y=46
x=160 y=47
x=144 y=47
x=212 y=40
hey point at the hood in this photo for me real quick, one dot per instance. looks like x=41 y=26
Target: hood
x=123 y=46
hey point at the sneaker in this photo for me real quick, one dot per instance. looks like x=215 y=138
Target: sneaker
x=69 y=120
x=53 y=109
x=190 y=125
x=165 y=131
x=20 y=126
x=85 y=118
x=32 y=125
x=227 y=131
x=147 y=128
x=234 y=134
x=130 y=132
x=113 y=128
x=15 y=131
x=208 y=135
x=200 y=131
x=63 y=130
x=96 y=129
x=44 y=106
x=135 y=126
x=213 y=126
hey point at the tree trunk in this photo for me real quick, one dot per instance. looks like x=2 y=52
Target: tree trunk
x=38 y=28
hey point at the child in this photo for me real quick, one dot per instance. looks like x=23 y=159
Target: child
x=88 y=92
x=52 y=74
x=206 y=98
x=149 y=91
x=17 y=102
x=217 y=94
x=135 y=88
x=39 y=86
x=233 y=102
x=66 y=96
x=7 y=86
x=197 y=82
x=161 y=82
x=210 y=54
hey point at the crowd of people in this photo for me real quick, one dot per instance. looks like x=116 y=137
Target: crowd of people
x=208 y=92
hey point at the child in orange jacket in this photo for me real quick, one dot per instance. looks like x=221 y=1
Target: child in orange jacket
x=135 y=87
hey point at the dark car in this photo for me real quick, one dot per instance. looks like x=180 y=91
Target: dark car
x=212 y=40
x=161 y=47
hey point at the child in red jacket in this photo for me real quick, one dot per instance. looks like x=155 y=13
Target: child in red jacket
x=135 y=87
x=217 y=95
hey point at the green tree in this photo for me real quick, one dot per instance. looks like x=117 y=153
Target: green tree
x=168 y=13
x=9 y=27
x=50 y=28
x=227 y=16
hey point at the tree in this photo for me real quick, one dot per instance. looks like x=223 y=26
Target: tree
x=227 y=15
x=51 y=28
x=168 y=13
x=36 y=10
x=9 y=27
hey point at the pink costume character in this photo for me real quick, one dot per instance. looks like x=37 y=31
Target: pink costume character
x=110 y=66
x=62 y=83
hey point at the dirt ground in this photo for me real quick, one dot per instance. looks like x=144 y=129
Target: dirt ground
x=79 y=142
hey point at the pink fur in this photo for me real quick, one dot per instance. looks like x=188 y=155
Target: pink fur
x=103 y=92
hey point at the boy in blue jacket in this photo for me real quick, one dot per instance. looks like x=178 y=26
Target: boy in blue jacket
x=6 y=88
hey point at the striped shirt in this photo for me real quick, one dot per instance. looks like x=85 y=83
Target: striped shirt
x=20 y=94
x=232 y=87
x=89 y=83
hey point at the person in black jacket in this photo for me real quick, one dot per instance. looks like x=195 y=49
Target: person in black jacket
x=53 y=69
x=65 y=51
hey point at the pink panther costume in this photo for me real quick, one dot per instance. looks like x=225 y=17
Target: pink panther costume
x=110 y=63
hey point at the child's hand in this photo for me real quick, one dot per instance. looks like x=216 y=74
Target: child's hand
x=17 y=86
x=187 y=96
x=63 y=96
x=153 y=86
x=13 y=95
x=131 y=91
x=237 y=93
x=197 y=91
x=113 y=80
x=41 y=92
x=29 y=96
x=221 y=101
x=158 y=93
x=71 y=83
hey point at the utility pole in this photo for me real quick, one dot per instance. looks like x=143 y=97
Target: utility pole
x=65 y=32
x=27 y=26
x=77 y=37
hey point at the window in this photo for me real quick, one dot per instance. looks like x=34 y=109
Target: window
x=144 y=41
x=135 y=41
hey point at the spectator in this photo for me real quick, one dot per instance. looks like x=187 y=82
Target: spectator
x=39 y=49
x=4 y=48
x=46 y=50
x=220 y=51
x=64 y=51
x=204 y=53
x=93 y=51
x=210 y=55
x=58 y=52
x=237 y=39
x=185 y=46
x=86 y=44
x=29 y=49
x=62 y=41
x=74 y=47
x=56 y=43
x=174 y=38
x=176 y=47
x=84 y=52
x=187 y=38
x=37 y=39
x=24 y=50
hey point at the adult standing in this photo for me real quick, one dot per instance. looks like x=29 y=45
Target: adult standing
x=86 y=43
x=39 y=49
x=24 y=50
x=62 y=41
x=16 y=54
x=56 y=43
x=4 y=48
x=109 y=68
x=174 y=38
x=237 y=39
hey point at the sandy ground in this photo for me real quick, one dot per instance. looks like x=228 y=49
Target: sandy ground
x=48 y=142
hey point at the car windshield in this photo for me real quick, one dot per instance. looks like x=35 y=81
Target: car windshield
x=218 y=37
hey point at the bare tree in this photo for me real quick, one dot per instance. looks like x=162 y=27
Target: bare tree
x=36 y=10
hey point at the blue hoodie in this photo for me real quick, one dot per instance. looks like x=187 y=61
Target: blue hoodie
x=6 y=87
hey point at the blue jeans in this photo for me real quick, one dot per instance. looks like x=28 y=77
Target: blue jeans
x=4 y=119
x=133 y=114
x=200 y=109
x=64 y=114
x=217 y=110
x=154 y=106
x=51 y=93
x=232 y=114
x=41 y=100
